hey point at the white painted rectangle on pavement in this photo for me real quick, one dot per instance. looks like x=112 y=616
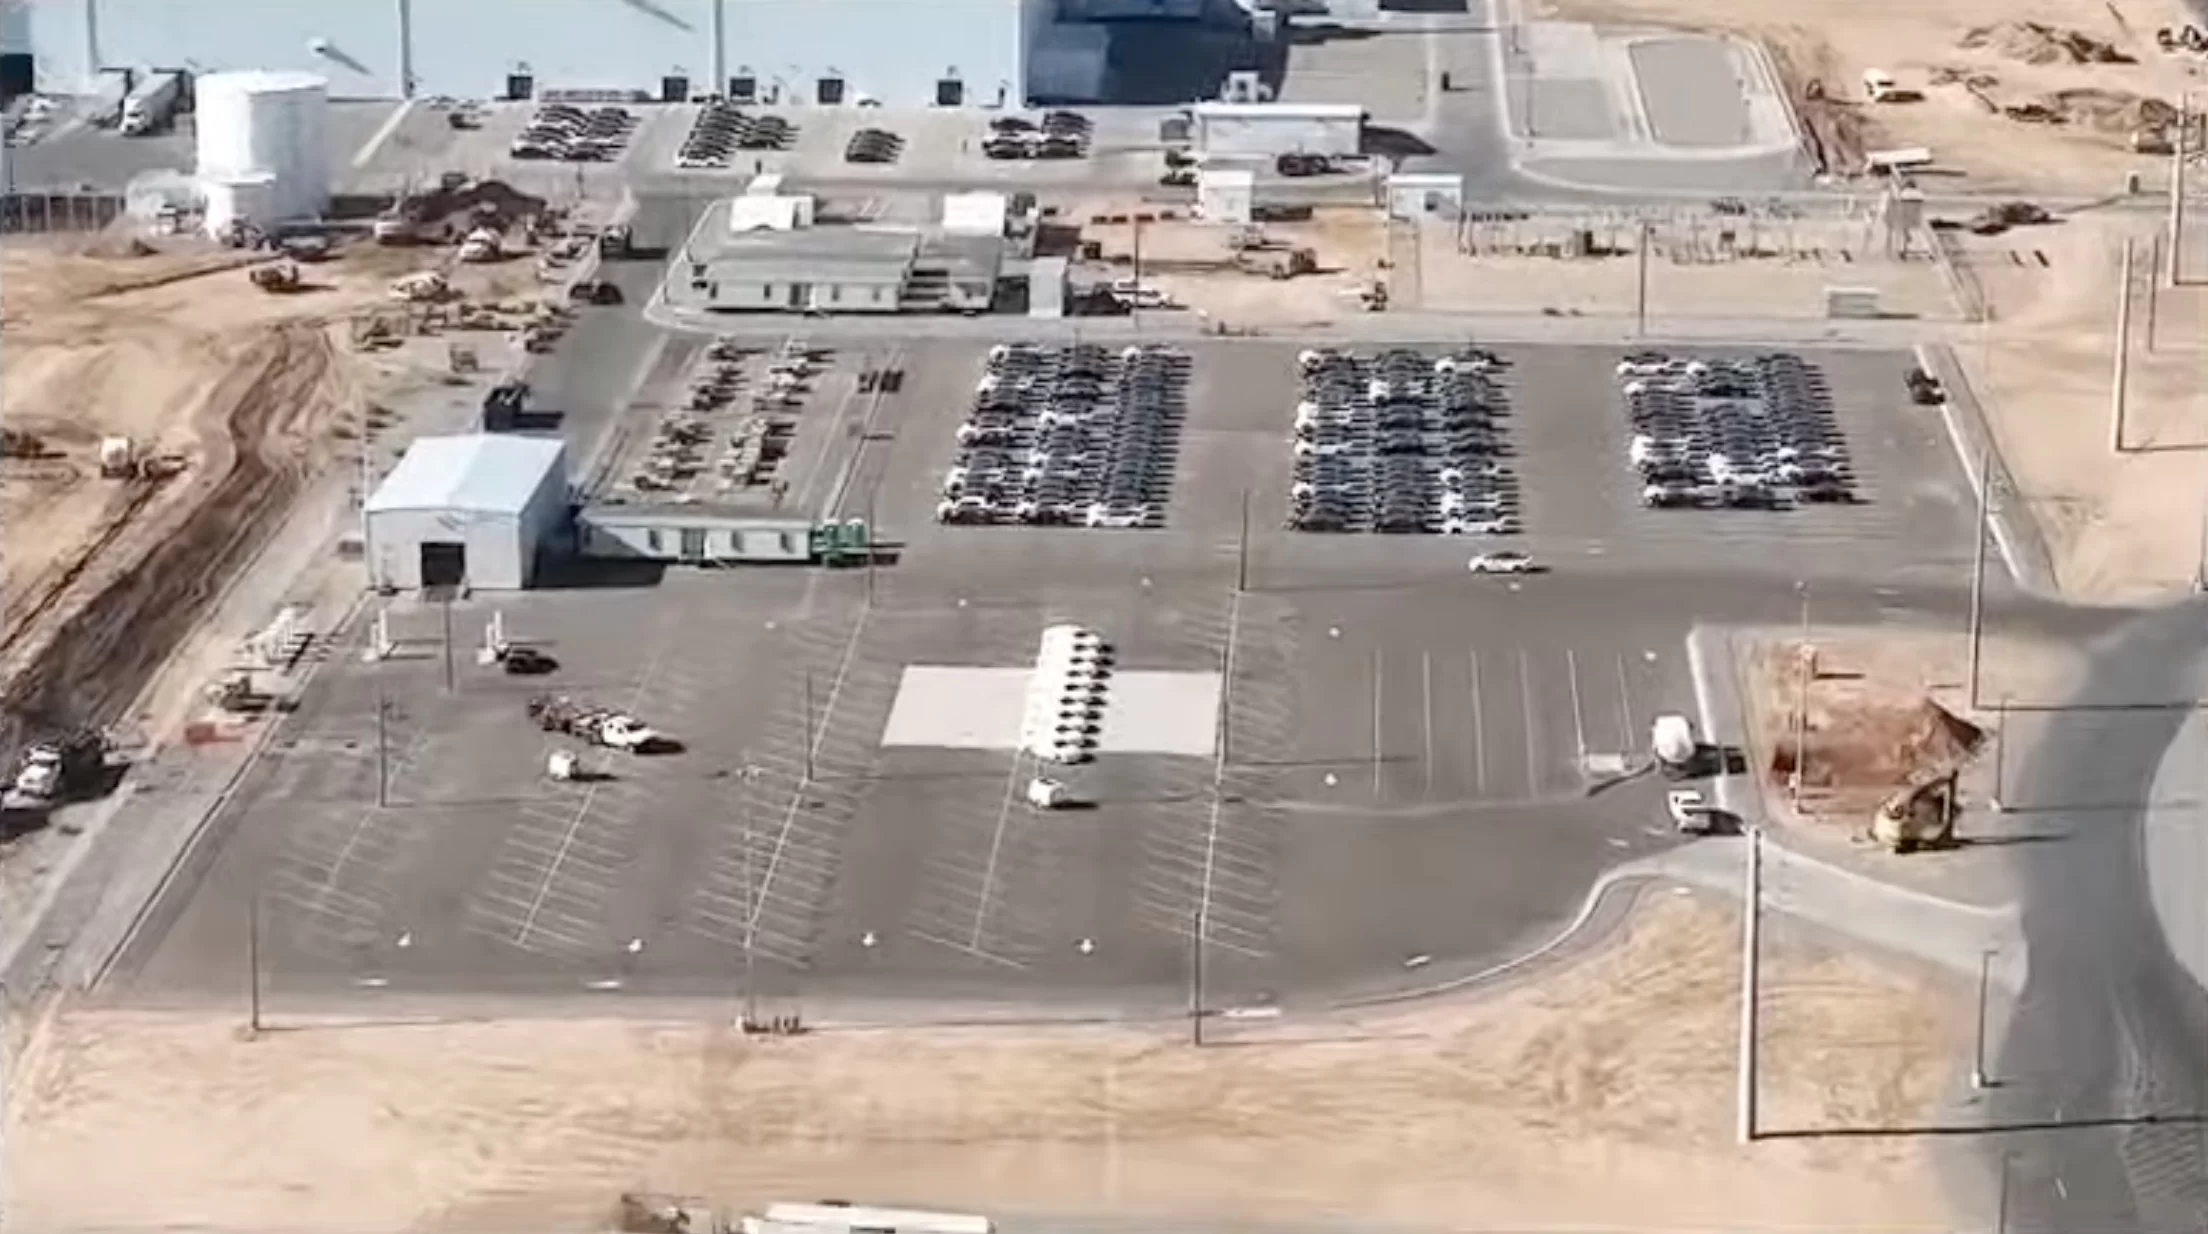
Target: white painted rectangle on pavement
x=958 y=708
x=963 y=708
x=1161 y=713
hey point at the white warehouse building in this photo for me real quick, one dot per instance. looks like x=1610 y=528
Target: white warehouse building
x=896 y=52
x=471 y=511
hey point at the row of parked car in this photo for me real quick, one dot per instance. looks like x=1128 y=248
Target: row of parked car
x=1755 y=433
x=575 y=134
x=873 y=146
x=1078 y=435
x=1057 y=135
x=722 y=128
x=1403 y=442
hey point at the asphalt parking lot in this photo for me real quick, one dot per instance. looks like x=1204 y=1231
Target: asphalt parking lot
x=1409 y=747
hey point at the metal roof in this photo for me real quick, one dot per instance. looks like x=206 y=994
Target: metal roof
x=481 y=473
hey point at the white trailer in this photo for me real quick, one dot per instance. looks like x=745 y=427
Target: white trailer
x=104 y=105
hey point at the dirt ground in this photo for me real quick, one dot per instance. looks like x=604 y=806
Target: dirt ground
x=1481 y=1112
x=1192 y=263
x=176 y=350
x=2120 y=527
x=1866 y=704
x=1700 y=265
x=1964 y=88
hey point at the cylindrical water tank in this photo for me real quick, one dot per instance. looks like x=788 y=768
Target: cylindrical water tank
x=250 y=198
x=272 y=123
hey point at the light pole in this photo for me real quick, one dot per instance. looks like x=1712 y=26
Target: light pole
x=253 y=964
x=1978 y=570
x=750 y=1019
x=1196 y=978
x=1801 y=719
x=1750 y=984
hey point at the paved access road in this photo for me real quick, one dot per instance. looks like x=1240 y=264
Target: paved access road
x=2106 y=1062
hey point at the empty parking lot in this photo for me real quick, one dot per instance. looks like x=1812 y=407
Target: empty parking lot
x=1409 y=747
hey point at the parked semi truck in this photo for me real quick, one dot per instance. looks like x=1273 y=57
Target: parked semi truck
x=153 y=102
x=104 y=104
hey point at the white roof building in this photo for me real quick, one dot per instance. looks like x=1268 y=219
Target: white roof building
x=471 y=511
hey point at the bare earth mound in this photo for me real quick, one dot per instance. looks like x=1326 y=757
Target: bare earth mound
x=2035 y=43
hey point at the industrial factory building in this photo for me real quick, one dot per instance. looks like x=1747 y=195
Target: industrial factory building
x=906 y=53
x=470 y=511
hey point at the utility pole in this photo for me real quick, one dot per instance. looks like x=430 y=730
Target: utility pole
x=1196 y=979
x=1242 y=549
x=2001 y=756
x=718 y=53
x=2120 y=379
x=383 y=747
x=1801 y=718
x=870 y=498
x=2154 y=284
x=451 y=681
x=1640 y=282
x=1978 y=1077
x=1378 y=740
x=1750 y=984
x=2176 y=228
x=1226 y=714
x=253 y=964
x=2001 y=1199
x=751 y=902
x=808 y=726
x=1978 y=570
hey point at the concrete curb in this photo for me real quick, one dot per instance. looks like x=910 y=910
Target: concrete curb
x=2015 y=532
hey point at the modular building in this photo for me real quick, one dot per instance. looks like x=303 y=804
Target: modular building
x=1262 y=130
x=905 y=53
x=471 y=511
x=702 y=535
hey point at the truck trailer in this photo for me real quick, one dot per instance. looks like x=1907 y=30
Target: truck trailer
x=153 y=102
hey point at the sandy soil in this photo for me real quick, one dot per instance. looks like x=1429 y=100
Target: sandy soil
x=1866 y=698
x=176 y=350
x=1193 y=263
x=2121 y=527
x=1494 y=1112
x=1834 y=41
x=1772 y=268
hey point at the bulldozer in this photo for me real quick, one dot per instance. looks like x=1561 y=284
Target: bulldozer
x=276 y=278
x=1921 y=815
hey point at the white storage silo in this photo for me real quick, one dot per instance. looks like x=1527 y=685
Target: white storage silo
x=249 y=198
x=275 y=124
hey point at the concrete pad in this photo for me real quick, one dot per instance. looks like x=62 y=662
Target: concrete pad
x=958 y=708
x=1162 y=713
x=1693 y=92
x=965 y=708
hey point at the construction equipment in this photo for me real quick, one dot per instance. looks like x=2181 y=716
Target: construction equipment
x=118 y=458
x=276 y=278
x=55 y=771
x=481 y=245
x=1995 y=219
x=616 y=242
x=423 y=287
x=1374 y=296
x=1277 y=263
x=1924 y=388
x=564 y=766
x=15 y=443
x=1921 y=814
x=1690 y=812
x=601 y=726
x=236 y=694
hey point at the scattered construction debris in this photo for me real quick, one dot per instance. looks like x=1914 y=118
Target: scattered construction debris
x=277 y=278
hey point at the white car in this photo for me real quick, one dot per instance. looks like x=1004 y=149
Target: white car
x=1107 y=516
x=1501 y=563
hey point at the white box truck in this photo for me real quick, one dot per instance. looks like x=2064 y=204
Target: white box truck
x=151 y=104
